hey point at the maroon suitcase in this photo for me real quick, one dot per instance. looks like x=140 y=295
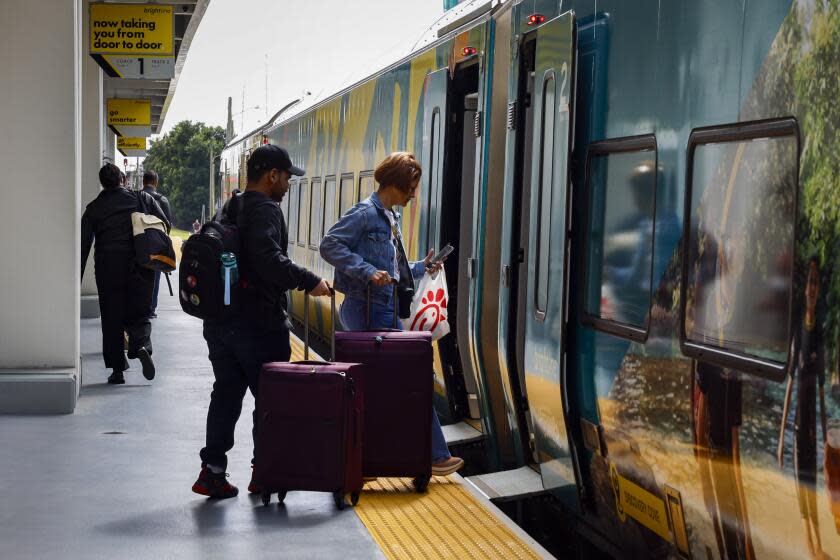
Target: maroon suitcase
x=309 y=429
x=398 y=401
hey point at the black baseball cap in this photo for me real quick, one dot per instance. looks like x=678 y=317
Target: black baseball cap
x=269 y=157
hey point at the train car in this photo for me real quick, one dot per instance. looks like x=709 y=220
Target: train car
x=644 y=295
x=232 y=161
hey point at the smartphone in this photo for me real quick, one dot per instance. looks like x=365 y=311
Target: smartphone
x=442 y=254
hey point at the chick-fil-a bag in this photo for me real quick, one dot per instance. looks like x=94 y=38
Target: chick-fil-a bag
x=429 y=306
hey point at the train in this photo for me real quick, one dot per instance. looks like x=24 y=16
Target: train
x=644 y=296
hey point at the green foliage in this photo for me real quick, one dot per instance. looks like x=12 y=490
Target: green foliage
x=801 y=77
x=817 y=81
x=181 y=158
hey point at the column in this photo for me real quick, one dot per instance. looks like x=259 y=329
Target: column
x=92 y=133
x=40 y=153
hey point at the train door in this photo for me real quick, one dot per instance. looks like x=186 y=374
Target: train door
x=447 y=196
x=542 y=279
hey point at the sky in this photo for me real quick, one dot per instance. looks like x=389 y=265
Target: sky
x=314 y=45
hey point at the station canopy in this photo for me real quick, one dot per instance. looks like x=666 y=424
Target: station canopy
x=158 y=88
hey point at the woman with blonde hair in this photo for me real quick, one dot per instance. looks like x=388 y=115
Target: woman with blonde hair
x=365 y=246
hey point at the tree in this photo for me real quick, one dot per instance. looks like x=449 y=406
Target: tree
x=817 y=81
x=181 y=159
x=801 y=77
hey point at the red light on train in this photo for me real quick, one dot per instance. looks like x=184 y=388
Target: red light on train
x=469 y=51
x=536 y=19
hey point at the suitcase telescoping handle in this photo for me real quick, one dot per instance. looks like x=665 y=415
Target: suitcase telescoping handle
x=306 y=324
x=394 y=298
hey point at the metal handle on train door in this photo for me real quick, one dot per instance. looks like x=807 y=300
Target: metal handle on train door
x=306 y=324
x=396 y=305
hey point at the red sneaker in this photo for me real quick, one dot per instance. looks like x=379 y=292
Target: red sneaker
x=253 y=487
x=214 y=485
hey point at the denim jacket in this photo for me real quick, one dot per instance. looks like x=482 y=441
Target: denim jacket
x=358 y=245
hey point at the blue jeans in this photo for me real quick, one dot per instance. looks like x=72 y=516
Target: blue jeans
x=155 y=293
x=353 y=315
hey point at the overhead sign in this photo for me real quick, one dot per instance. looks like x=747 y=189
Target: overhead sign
x=150 y=68
x=132 y=146
x=130 y=117
x=135 y=29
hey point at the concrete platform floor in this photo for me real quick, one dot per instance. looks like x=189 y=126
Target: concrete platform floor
x=113 y=480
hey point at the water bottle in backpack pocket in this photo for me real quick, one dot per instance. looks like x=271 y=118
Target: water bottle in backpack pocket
x=209 y=274
x=230 y=276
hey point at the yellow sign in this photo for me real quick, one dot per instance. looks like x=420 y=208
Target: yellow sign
x=136 y=29
x=129 y=143
x=129 y=112
x=646 y=508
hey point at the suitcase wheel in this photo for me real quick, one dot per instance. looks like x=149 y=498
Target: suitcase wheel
x=266 y=498
x=339 y=500
x=281 y=495
x=354 y=497
x=421 y=483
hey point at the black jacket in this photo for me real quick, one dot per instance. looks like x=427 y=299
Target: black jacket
x=263 y=260
x=107 y=219
x=161 y=200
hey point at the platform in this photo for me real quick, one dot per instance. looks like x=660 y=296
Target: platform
x=113 y=480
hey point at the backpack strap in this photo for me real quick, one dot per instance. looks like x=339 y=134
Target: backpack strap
x=142 y=206
x=232 y=208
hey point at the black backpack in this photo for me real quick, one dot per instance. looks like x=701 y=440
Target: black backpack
x=201 y=274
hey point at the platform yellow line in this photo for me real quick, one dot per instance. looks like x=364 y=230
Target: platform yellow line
x=297 y=350
x=445 y=522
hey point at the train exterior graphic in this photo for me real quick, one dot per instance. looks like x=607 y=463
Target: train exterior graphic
x=645 y=294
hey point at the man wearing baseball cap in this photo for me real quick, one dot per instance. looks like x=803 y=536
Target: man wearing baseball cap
x=260 y=333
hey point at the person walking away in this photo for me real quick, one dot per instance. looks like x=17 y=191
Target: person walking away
x=365 y=247
x=125 y=289
x=239 y=346
x=150 y=184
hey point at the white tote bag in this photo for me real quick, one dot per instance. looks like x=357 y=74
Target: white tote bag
x=428 y=309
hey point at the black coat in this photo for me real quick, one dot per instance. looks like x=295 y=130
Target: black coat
x=161 y=200
x=107 y=220
x=263 y=260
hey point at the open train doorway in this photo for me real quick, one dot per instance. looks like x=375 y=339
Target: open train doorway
x=449 y=159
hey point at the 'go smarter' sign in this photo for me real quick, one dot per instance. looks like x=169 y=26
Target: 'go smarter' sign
x=136 y=29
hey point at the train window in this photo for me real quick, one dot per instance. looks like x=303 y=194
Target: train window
x=621 y=201
x=330 y=216
x=736 y=294
x=347 y=194
x=303 y=212
x=316 y=213
x=293 y=205
x=544 y=197
x=367 y=184
x=284 y=205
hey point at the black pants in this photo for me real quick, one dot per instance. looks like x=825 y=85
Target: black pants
x=125 y=294
x=238 y=349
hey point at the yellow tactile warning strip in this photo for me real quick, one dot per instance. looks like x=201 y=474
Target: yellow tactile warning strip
x=297 y=350
x=445 y=522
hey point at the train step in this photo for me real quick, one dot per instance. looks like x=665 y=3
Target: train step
x=509 y=485
x=461 y=433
